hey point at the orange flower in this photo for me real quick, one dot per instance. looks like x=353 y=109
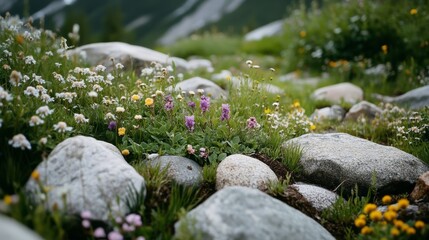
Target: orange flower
x=125 y=152
x=303 y=34
x=7 y=200
x=386 y=199
x=403 y=203
x=413 y=11
x=35 y=175
x=148 y=101
x=419 y=224
x=369 y=208
x=384 y=48
x=360 y=222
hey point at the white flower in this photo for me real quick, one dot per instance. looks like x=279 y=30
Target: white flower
x=68 y=96
x=97 y=88
x=31 y=91
x=4 y=95
x=110 y=77
x=78 y=84
x=249 y=63
x=120 y=109
x=256 y=66
x=49 y=53
x=46 y=98
x=43 y=141
x=119 y=66
x=44 y=111
x=15 y=78
x=80 y=118
x=38 y=79
x=62 y=127
x=35 y=120
x=29 y=60
x=146 y=72
x=93 y=94
x=100 y=68
x=58 y=65
x=109 y=116
x=200 y=91
x=20 y=141
x=159 y=93
x=138 y=117
x=192 y=93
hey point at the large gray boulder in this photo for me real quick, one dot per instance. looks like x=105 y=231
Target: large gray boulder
x=182 y=170
x=92 y=175
x=10 y=229
x=414 y=99
x=129 y=55
x=245 y=214
x=335 y=159
x=195 y=83
x=337 y=93
x=241 y=170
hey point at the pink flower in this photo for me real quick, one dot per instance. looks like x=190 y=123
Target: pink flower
x=99 y=233
x=252 y=123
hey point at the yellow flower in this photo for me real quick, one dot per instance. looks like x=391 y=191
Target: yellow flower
x=296 y=104
x=332 y=64
x=228 y=78
x=362 y=216
x=360 y=222
x=394 y=208
x=148 y=101
x=394 y=232
x=125 y=152
x=419 y=224
x=35 y=175
x=376 y=215
x=267 y=110
x=413 y=11
x=411 y=231
x=390 y=215
x=403 y=203
x=303 y=34
x=398 y=223
x=369 y=208
x=384 y=48
x=405 y=227
x=312 y=127
x=135 y=98
x=7 y=199
x=386 y=199
x=121 y=131
x=366 y=230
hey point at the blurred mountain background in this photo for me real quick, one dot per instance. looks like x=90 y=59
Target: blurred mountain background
x=148 y=22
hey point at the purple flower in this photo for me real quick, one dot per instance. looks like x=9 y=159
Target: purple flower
x=99 y=233
x=86 y=214
x=86 y=223
x=205 y=103
x=203 y=153
x=112 y=125
x=115 y=236
x=190 y=122
x=134 y=219
x=225 y=112
x=252 y=123
x=128 y=228
x=168 y=103
x=191 y=104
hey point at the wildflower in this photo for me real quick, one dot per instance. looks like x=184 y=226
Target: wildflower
x=366 y=230
x=86 y=223
x=114 y=236
x=68 y=96
x=138 y=117
x=419 y=224
x=394 y=232
x=204 y=103
x=100 y=68
x=7 y=199
x=80 y=118
x=112 y=125
x=252 y=123
x=403 y=203
x=405 y=227
x=159 y=93
x=29 y=60
x=99 y=233
x=191 y=93
x=46 y=98
x=92 y=94
x=398 y=223
x=393 y=208
x=411 y=231
x=119 y=66
x=384 y=48
x=15 y=78
x=390 y=215
x=135 y=98
x=204 y=153
x=134 y=219
x=20 y=141
x=128 y=228
x=303 y=34
x=296 y=104
x=256 y=66
x=267 y=110
x=190 y=149
x=35 y=120
x=120 y=109
x=386 y=199
x=31 y=91
x=312 y=127
x=179 y=97
x=35 y=175
x=369 y=208
x=85 y=214
x=249 y=63
x=190 y=122
x=225 y=112
x=168 y=106
x=109 y=116
x=200 y=91
x=272 y=69
x=148 y=102
x=375 y=215
x=413 y=11
x=191 y=104
x=125 y=152
x=121 y=131
x=359 y=222
x=62 y=127
x=43 y=141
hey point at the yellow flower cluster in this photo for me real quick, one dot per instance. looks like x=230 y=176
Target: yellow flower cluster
x=373 y=221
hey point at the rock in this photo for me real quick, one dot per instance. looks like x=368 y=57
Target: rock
x=337 y=93
x=10 y=229
x=380 y=69
x=421 y=190
x=246 y=214
x=334 y=159
x=182 y=170
x=195 y=83
x=365 y=109
x=335 y=113
x=222 y=76
x=129 y=55
x=91 y=174
x=318 y=197
x=296 y=79
x=414 y=99
x=268 y=30
x=194 y=64
x=268 y=87
x=241 y=170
